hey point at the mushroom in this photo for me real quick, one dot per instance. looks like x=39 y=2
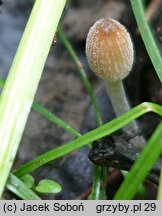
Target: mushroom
x=110 y=55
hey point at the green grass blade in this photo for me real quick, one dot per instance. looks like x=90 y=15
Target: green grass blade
x=50 y=116
x=159 y=195
x=2 y=82
x=96 y=187
x=89 y=137
x=24 y=75
x=98 y=177
x=147 y=37
x=55 y=119
x=141 y=167
x=16 y=186
x=99 y=183
x=82 y=73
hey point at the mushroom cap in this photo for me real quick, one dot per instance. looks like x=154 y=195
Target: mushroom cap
x=109 y=50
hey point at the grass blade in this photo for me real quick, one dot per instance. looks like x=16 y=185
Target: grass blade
x=89 y=137
x=141 y=167
x=159 y=195
x=82 y=73
x=147 y=37
x=98 y=177
x=37 y=107
x=1 y=82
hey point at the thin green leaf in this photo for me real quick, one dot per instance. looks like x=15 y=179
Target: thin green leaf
x=82 y=73
x=48 y=186
x=16 y=186
x=1 y=82
x=99 y=183
x=141 y=167
x=141 y=190
x=95 y=195
x=147 y=37
x=159 y=195
x=50 y=116
x=99 y=178
x=89 y=137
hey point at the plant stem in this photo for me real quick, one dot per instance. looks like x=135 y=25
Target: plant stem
x=96 y=186
x=21 y=84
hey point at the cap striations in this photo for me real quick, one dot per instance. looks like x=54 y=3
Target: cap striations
x=109 y=50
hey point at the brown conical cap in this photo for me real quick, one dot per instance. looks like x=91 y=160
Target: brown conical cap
x=109 y=50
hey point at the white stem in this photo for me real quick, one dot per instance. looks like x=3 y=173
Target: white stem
x=117 y=96
x=120 y=104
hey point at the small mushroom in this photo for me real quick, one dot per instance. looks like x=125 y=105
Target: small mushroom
x=110 y=55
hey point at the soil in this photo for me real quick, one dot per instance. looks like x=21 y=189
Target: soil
x=61 y=91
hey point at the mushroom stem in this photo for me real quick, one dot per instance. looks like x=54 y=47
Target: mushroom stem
x=118 y=97
x=120 y=105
